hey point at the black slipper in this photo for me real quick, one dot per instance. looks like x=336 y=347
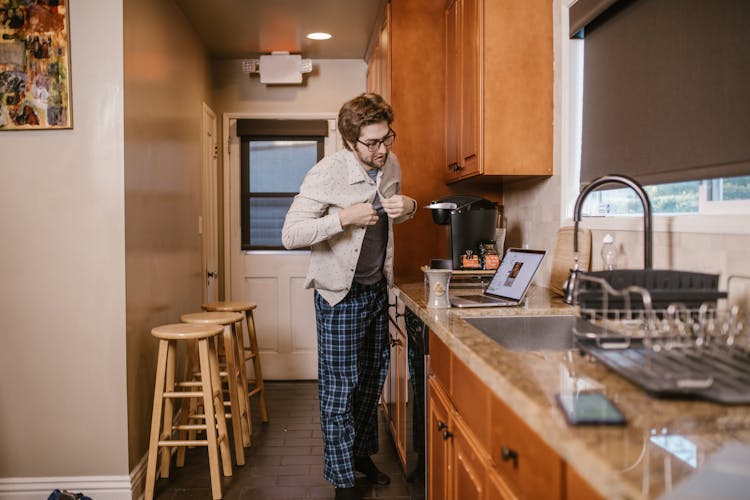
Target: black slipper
x=366 y=466
x=347 y=493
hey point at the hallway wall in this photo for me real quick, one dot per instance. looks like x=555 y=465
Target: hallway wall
x=166 y=82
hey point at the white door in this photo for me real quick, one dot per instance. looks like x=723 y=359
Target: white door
x=285 y=316
x=209 y=199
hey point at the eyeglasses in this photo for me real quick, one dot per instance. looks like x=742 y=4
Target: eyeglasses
x=373 y=145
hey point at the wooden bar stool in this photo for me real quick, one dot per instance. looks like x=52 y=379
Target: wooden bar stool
x=163 y=411
x=234 y=370
x=251 y=351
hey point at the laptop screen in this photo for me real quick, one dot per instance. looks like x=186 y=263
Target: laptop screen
x=515 y=273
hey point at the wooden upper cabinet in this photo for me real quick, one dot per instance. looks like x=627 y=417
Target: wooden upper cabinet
x=452 y=109
x=379 y=64
x=499 y=88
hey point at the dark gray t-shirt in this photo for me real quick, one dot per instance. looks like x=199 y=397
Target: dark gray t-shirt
x=372 y=255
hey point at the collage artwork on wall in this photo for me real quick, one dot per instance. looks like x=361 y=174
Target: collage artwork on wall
x=35 y=80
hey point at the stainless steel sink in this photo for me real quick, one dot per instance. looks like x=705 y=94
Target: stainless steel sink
x=528 y=333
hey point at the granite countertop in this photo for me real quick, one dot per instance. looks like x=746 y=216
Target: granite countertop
x=664 y=441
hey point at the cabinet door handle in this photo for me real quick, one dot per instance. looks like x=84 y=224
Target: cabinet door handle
x=441 y=425
x=508 y=454
x=447 y=435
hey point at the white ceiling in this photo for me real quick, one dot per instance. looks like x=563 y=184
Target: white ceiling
x=236 y=29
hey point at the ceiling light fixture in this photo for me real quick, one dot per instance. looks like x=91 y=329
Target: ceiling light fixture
x=319 y=36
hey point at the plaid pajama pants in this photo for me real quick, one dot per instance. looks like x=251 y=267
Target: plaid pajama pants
x=353 y=355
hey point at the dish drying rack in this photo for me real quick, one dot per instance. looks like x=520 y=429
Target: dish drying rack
x=677 y=351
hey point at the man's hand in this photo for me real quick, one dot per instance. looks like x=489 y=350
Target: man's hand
x=361 y=214
x=398 y=205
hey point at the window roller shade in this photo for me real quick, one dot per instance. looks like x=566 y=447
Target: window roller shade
x=583 y=12
x=287 y=128
x=666 y=90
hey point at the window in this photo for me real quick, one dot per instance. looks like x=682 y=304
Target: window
x=272 y=170
x=723 y=195
x=663 y=106
x=665 y=101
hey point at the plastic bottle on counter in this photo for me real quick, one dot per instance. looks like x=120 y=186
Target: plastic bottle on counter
x=609 y=252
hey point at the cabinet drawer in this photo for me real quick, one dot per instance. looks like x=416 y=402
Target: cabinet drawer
x=440 y=360
x=530 y=467
x=471 y=398
x=576 y=487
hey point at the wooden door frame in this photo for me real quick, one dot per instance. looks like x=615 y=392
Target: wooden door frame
x=209 y=168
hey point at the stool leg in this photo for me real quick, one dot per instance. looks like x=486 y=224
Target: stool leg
x=256 y=366
x=247 y=423
x=194 y=403
x=166 y=432
x=221 y=423
x=153 y=446
x=230 y=350
x=208 y=403
x=188 y=405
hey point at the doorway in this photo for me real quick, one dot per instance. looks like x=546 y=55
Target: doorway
x=273 y=279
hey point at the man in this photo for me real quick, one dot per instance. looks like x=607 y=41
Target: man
x=344 y=212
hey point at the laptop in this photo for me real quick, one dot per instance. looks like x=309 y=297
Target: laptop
x=510 y=282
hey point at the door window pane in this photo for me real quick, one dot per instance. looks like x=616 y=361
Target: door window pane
x=280 y=166
x=266 y=218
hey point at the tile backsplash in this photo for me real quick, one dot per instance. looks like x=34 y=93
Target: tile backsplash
x=723 y=254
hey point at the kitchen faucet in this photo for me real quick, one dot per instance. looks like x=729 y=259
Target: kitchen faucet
x=647 y=229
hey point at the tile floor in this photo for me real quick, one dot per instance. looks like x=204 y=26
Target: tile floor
x=285 y=460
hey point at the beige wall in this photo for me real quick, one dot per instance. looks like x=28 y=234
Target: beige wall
x=62 y=303
x=325 y=89
x=166 y=82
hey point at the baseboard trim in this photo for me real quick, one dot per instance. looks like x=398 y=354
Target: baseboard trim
x=131 y=487
x=138 y=479
x=36 y=488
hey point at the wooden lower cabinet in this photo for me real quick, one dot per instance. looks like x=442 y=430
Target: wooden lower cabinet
x=469 y=464
x=576 y=488
x=395 y=388
x=459 y=467
x=489 y=453
x=531 y=468
x=439 y=442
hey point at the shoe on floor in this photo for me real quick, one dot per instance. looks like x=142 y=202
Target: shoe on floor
x=366 y=466
x=347 y=493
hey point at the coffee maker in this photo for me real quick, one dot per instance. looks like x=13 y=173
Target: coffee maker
x=472 y=221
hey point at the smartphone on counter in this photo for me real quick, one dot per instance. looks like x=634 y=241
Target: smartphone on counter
x=589 y=408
